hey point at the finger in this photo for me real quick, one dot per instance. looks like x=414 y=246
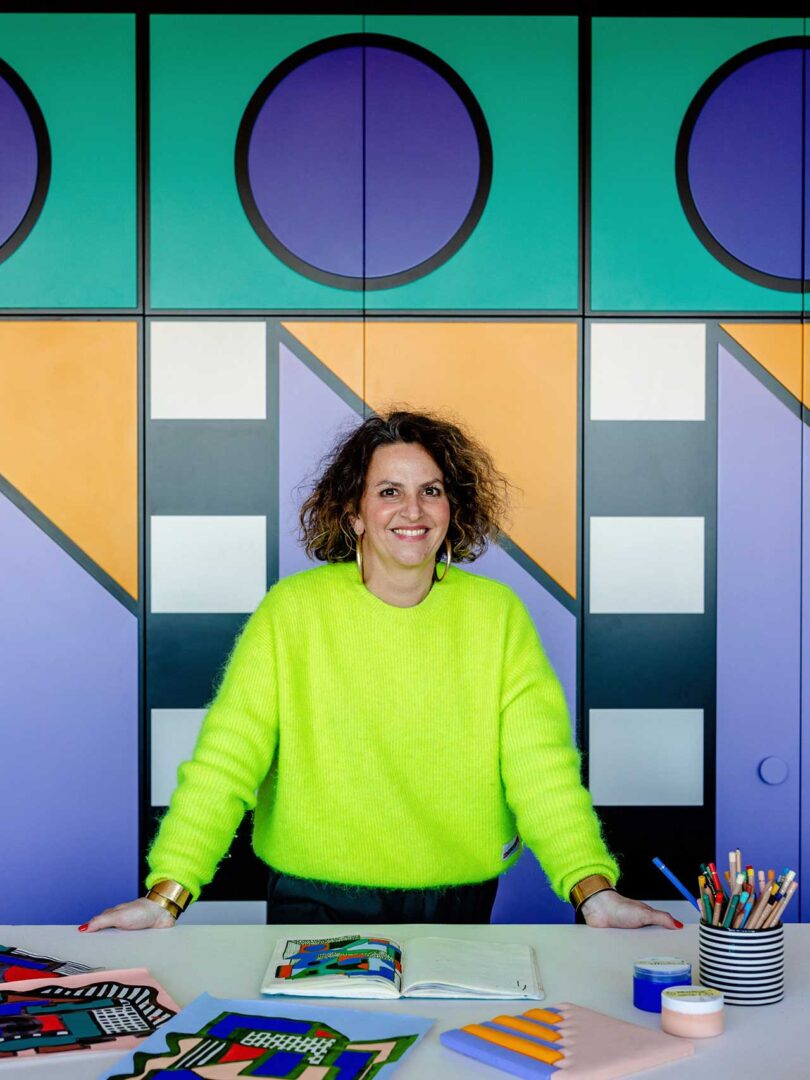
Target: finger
x=102 y=922
x=663 y=918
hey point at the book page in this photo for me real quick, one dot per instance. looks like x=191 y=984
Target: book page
x=354 y=965
x=446 y=967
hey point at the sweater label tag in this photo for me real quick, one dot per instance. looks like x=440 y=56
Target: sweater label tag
x=510 y=847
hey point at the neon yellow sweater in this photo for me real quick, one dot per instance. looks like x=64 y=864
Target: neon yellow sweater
x=396 y=747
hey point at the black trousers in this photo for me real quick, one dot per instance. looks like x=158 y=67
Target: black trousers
x=298 y=900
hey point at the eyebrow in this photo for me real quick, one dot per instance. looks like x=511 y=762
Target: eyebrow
x=398 y=483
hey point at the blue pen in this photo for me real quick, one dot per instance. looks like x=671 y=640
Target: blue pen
x=681 y=888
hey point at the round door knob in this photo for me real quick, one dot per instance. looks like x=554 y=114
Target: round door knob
x=772 y=770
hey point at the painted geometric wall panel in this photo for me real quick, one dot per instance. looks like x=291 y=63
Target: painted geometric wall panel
x=81 y=251
x=173 y=735
x=69 y=433
x=648 y=645
x=25 y=166
x=648 y=371
x=646 y=255
x=205 y=253
x=779 y=348
x=758 y=612
x=515 y=384
x=646 y=565
x=646 y=757
x=226 y=912
x=523 y=253
x=364 y=161
x=69 y=678
x=312 y=415
x=208 y=371
x=215 y=563
x=211 y=538
x=387 y=163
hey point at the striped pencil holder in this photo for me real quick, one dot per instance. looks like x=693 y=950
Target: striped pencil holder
x=747 y=965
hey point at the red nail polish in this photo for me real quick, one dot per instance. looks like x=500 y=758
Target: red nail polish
x=84 y=926
x=678 y=924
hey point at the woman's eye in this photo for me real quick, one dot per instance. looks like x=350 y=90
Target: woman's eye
x=433 y=491
x=388 y=491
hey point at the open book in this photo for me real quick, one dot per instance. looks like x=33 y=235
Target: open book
x=358 y=966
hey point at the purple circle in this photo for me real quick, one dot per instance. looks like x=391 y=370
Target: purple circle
x=362 y=164
x=18 y=161
x=740 y=163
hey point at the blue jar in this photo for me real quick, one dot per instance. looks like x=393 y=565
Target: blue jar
x=653 y=974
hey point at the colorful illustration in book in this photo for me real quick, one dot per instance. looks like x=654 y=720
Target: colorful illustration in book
x=216 y=1040
x=110 y=1011
x=341 y=956
x=17 y=964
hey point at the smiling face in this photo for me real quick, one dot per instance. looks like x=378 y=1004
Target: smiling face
x=404 y=512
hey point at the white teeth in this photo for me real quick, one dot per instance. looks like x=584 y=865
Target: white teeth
x=410 y=532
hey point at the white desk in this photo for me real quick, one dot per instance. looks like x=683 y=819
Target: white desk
x=590 y=967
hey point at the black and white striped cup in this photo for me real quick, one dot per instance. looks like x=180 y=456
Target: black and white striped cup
x=747 y=965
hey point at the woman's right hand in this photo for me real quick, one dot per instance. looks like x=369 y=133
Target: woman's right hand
x=140 y=914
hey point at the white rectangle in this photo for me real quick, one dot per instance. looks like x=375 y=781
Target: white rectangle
x=208 y=370
x=648 y=371
x=226 y=913
x=646 y=757
x=172 y=738
x=208 y=563
x=646 y=565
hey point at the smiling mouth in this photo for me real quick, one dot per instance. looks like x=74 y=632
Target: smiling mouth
x=411 y=534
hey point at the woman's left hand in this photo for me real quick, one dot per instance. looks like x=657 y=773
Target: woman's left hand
x=610 y=908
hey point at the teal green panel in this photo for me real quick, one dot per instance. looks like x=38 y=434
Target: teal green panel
x=82 y=252
x=644 y=254
x=204 y=251
x=523 y=254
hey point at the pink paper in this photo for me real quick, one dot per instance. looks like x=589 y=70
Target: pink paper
x=123 y=1007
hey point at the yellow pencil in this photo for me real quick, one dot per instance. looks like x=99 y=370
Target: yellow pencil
x=513 y=1042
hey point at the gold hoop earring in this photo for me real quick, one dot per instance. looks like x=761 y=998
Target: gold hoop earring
x=448 y=558
x=358 y=554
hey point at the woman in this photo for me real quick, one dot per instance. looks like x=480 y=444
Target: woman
x=397 y=715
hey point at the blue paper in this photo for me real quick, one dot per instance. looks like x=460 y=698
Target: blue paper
x=212 y=1030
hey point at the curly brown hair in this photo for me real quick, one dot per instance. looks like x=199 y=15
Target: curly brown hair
x=478 y=493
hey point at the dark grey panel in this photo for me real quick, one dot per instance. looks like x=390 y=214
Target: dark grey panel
x=649 y=468
x=209 y=467
x=663 y=661
x=185 y=656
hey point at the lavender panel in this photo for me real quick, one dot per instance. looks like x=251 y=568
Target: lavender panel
x=524 y=894
x=310 y=417
x=69 y=709
x=758 y=612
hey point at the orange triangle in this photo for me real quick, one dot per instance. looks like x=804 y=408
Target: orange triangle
x=69 y=434
x=340 y=346
x=778 y=347
x=513 y=384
